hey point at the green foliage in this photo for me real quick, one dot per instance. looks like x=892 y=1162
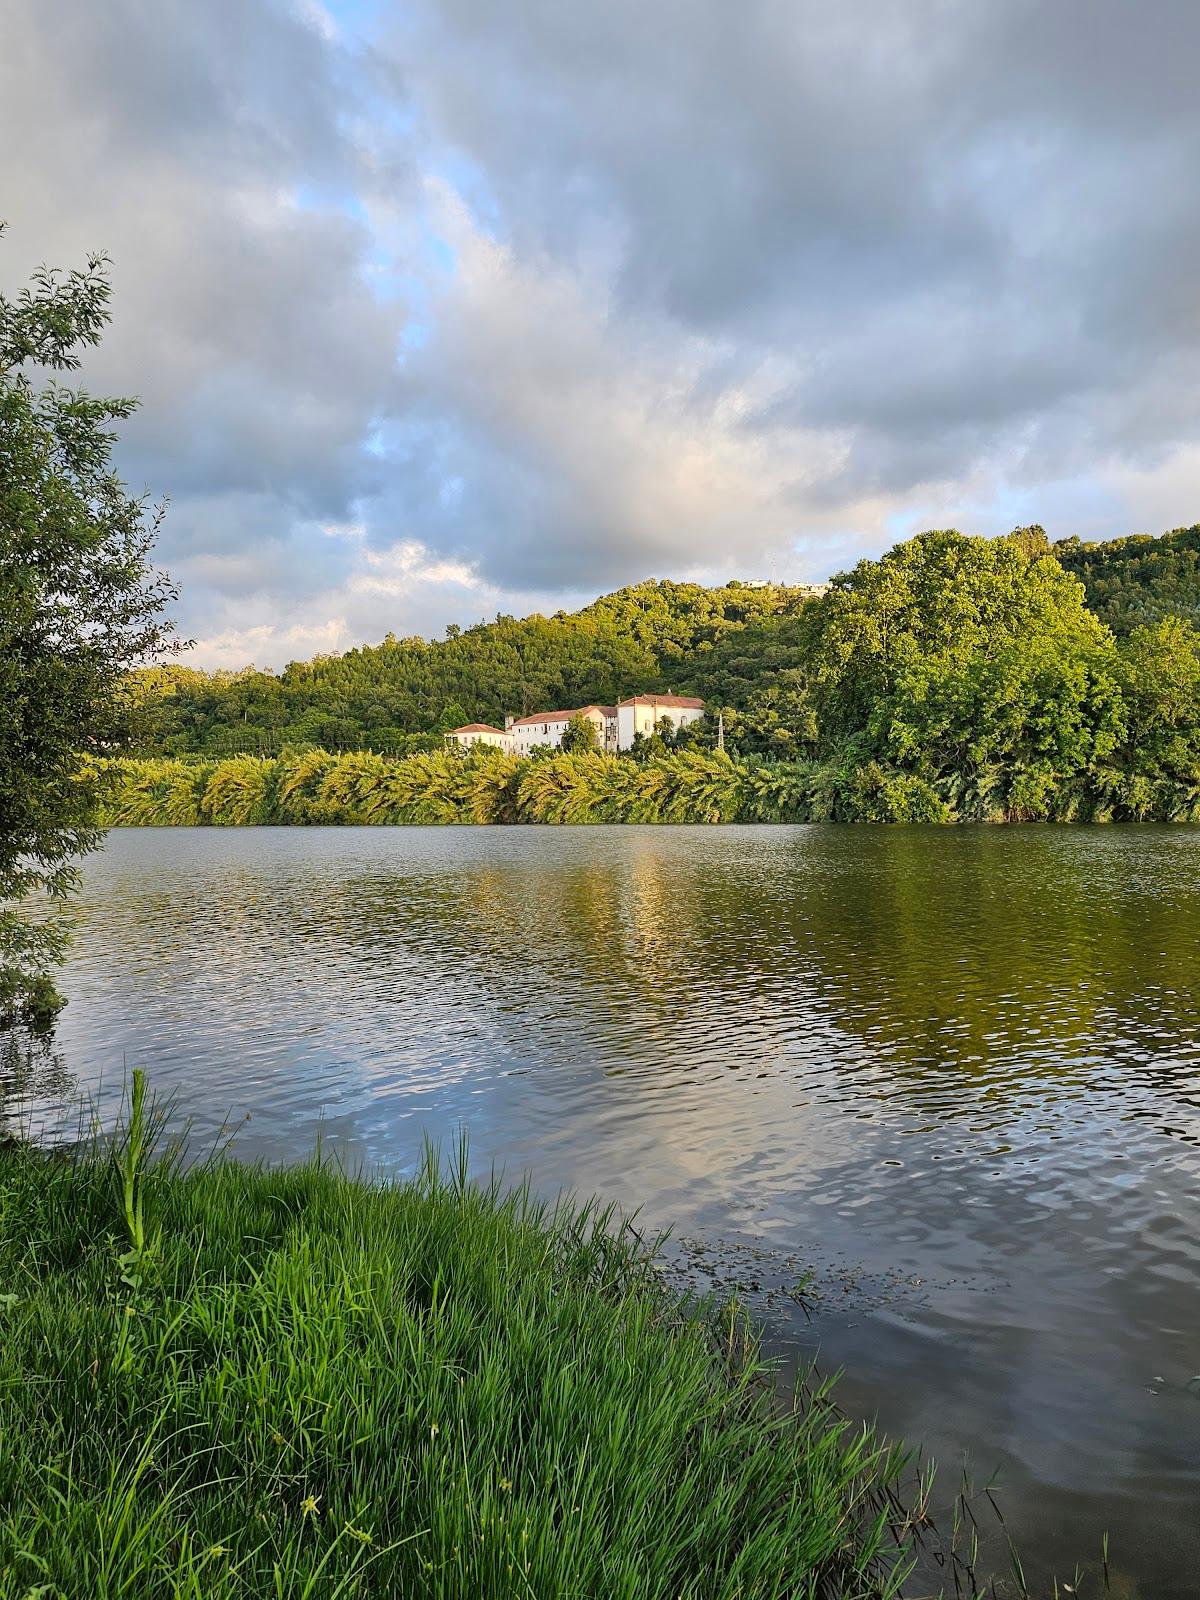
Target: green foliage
x=453 y=716
x=956 y=678
x=933 y=613
x=950 y=658
x=1160 y=759
x=79 y=606
x=1042 y=719
x=239 y=791
x=1137 y=581
x=579 y=736
x=239 y=1382
x=655 y=635
x=299 y=785
x=164 y=792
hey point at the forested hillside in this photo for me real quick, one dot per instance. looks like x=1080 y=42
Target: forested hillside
x=760 y=652
x=393 y=696
x=1140 y=579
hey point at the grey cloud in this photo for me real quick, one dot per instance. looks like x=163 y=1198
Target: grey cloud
x=728 y=286
x=204 y=149
x=228 y=88
x=961 y=217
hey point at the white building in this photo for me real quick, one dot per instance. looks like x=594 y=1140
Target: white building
x=479 y=733
x=548 y=727
x=643 y=712
x=616 y=726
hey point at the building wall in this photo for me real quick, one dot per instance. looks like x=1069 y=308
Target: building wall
x=612 y=733
x=602 y=725
x=529 y=735
x=635 y=719
x=502 y=741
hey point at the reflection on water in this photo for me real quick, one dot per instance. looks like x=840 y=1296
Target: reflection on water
x=955 y=1071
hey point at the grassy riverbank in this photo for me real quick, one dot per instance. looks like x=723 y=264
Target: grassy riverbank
x=235 y=1382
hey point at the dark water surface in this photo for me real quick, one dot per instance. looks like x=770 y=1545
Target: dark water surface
x=954 y=1071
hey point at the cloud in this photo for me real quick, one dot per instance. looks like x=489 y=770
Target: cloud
x=959 y=231
x=583 y=444
x=204 y=149
x=398 y=589
x=557 y=297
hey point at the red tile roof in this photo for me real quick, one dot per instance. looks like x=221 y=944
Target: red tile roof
x=542 y=716
x=681 y=702
x=562 y=716
x=476 y=727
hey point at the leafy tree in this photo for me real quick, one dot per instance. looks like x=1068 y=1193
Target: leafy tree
x=579 y=736
x=1160 y=672
x=1031 y=542
x=779 y=717
x=660 y=741
x=916 y=652
x=755 y=650
x=954 y=678
x=651 y=636
x=80 y=604
x=453 y=716
x=1137 y=581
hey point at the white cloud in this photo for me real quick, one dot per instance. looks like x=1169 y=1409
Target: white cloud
x=393 y=590
x=263 y=644
x=501 y=307
x=396 y=570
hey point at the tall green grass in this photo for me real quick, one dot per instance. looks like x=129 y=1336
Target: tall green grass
x=232 y=1381
x=693 y=786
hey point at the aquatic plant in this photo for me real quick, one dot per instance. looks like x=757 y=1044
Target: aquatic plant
x=778 y=791
x=154 y=793
x=299 y=777
x=239 y=792
x=681 y=786
x=574 y=789
x=348 y=785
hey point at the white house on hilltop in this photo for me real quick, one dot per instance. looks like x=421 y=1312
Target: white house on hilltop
x=616 y=726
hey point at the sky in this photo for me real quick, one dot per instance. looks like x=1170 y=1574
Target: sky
x=445 y=308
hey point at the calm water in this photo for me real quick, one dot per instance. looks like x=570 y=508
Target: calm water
x=956 y=1072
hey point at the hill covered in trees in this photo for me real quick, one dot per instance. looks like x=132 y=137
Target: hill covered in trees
x=1133 y=581
x=721 y=643
x=955 y=678
x=746 y=648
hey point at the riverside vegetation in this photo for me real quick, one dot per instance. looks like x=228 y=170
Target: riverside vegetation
x=955 y=679
x=690 y=786
x=229 y=1381
x=80 y=604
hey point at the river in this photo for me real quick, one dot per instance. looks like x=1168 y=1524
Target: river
x=954 y=1072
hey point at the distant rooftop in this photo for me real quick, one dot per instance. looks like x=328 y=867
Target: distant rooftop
x=562 y=716
x=681 y=702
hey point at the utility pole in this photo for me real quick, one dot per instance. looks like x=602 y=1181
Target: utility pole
x=721 y=731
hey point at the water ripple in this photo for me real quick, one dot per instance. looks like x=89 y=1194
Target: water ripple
x=961 y=1065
